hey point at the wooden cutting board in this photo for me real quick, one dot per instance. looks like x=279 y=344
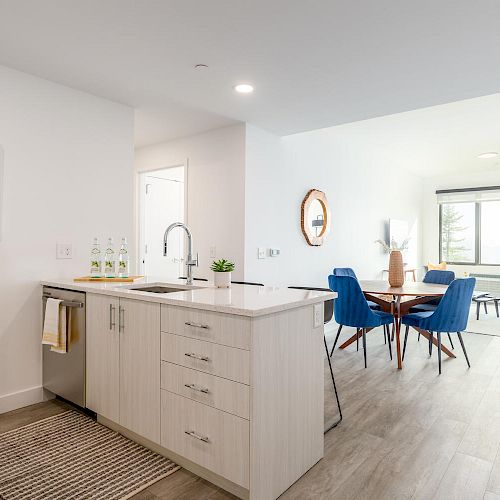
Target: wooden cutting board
x=130 y=279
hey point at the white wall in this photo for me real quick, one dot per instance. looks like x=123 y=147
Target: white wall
x=364 y=186
x=216 y=190
x=68 y=172
x=477 y=178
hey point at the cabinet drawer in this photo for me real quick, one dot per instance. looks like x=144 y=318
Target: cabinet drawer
x=211 y=438
x=215 y=327
x=218 y=392
x=227 y=362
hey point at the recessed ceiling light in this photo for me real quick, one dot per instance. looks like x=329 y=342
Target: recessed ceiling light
x=243 y=88
x=490 y=154
x=200 y=66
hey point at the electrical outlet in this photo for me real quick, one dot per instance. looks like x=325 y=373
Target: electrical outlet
x=261 y=253
x=274 y=252
x=318 y=315
x=64 y=251
x=213 y=252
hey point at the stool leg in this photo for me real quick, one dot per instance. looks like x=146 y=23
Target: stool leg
x=335 y=390
x=439 y=351
x=336 y=338
x=449 y=336
x=485 y=308
x=477 y=310
x=496 y=308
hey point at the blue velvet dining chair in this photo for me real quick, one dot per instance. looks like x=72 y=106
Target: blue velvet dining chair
x=347 y=271
x=451 y=315
x=351 y=309
x=437 y=277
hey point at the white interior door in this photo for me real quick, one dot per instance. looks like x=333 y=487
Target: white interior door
x=163 y=204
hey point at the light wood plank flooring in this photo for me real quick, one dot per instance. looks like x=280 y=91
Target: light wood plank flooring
x=409 y=434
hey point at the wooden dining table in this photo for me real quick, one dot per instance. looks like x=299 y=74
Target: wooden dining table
x=398 y=301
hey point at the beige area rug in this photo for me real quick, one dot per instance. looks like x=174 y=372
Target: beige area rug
x=487 y=324
x=70 y=456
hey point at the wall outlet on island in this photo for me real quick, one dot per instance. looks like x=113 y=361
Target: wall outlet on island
x=64 y=251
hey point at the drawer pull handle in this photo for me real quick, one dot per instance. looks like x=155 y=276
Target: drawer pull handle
x=196 y=356
x=195 y=387
x=197 y=436
x=197 y=325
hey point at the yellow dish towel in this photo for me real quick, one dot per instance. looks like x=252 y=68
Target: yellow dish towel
x=55 y=327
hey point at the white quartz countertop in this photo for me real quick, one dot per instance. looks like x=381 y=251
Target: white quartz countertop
x=242 y=300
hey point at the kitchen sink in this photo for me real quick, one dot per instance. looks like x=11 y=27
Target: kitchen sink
x=158 y=289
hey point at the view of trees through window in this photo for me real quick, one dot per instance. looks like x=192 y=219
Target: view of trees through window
x=462 y=240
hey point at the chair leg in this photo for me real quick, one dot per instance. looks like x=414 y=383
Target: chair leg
x=335 y=390
x=463 y=348
x=385 y=334
x=496 y=308
x=451 y=342
x=357 y=339
x=477 y=310
x=336 y=338
x=393 y=331
x=431 y=336
x=386 y=327
x=418 y=336
x=406 y=340
x=485 y=307
x=439 y=350
x=364 y=345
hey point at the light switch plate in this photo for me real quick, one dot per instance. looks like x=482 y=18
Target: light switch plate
x=261 y=253
x=64 y=251
x=213 y=252
x=318 y=315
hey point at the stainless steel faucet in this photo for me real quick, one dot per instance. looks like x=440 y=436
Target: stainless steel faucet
x=190 y=260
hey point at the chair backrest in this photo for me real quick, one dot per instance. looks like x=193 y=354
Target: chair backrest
x=327 y=304
x=351 y=307
x=344 y=271
x=452 y=312
x=439 y=277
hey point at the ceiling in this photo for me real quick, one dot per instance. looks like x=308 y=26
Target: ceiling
x=439 y=140
x=314 y=64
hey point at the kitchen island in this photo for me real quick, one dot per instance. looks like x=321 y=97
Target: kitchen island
x=226 y=382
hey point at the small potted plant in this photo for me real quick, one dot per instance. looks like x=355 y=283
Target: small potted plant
x=222 y=269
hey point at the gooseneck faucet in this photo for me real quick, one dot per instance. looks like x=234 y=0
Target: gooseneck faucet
x=190 y=260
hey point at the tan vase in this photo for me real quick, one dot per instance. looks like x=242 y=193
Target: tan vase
x=396 y=269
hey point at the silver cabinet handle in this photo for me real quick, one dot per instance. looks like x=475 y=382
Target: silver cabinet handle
x=112 y=312
x=121 y=319
x=197 y=325
x=197 y=436
x=196 y=356
x=195 y=387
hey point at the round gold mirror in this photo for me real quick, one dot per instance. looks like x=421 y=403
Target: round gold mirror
x=315 y=217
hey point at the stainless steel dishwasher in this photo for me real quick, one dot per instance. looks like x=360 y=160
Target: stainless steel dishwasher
x=64 y=374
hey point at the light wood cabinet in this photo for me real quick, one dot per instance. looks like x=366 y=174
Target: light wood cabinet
x=123 y=362
x=103 y=356
x=140 y=368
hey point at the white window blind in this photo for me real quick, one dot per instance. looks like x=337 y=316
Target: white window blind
x=468 y=195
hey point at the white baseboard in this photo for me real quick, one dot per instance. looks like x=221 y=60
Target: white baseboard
x=31 y=396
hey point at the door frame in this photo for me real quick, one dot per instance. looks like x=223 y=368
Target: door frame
x=140 y=197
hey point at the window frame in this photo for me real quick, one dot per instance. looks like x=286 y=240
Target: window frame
x=477 y=232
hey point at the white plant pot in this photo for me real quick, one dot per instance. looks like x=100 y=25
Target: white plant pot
x=222 y=280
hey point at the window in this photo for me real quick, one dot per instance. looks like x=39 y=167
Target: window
x=469 y=222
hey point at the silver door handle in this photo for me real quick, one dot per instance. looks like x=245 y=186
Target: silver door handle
x=197 y=325
x=112 y=318
x=195 y=387
x=197 y=436
x=121 y=319
x=196 y=356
